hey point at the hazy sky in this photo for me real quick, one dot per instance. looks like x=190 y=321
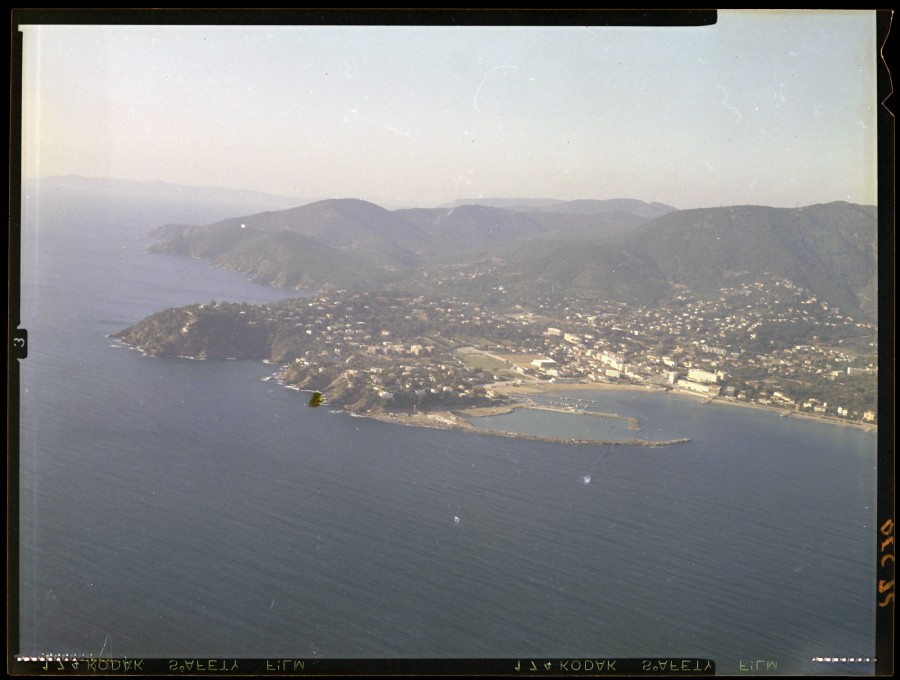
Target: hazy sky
x=764 y=107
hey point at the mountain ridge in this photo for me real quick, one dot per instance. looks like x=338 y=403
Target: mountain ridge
x=829 y=248
x=622 y=248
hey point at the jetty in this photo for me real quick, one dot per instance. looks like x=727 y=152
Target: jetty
x=530 y=404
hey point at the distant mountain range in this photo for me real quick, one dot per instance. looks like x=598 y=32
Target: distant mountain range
x=622 y=249
x=576 y=207
x=75 y=195
x=407 y=238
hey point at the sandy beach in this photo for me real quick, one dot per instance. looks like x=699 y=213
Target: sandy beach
x=789 y=413
x=459 y=420
x=550 y=388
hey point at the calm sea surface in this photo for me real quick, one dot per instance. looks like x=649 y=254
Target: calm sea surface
x=186 y=508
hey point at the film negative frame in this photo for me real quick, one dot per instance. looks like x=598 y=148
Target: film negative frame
x=18 y=352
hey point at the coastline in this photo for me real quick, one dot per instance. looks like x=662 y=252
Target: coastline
x=788 y=413
x=447 y=420
x=450 y=420
x=459 y=420
x=549 y=388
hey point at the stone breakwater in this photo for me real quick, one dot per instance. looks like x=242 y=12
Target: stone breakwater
x=584 y=442
x=451 y=421
x=633 y=423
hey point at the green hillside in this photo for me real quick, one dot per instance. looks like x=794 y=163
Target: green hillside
x=589 y=248
x=829 y=248
x=290 y=260
x=583 y=268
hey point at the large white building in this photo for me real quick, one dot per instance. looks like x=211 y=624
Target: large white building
x=544 y=363
x=699 y=375
x=613 y=361
x=701 y=388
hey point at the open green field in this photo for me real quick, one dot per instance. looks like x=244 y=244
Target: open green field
x=521 y=359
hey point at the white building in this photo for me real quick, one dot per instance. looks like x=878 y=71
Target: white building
x=699 y=375
x=701 y=388
x=613 y=361
x=543 y=363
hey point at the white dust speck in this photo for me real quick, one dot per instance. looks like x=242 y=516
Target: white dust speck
x=483 y=80
x=730 y=106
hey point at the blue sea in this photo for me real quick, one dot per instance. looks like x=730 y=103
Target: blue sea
x=177 y=508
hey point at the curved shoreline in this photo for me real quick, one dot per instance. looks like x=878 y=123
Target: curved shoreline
x=522 y=388
x=530 y=388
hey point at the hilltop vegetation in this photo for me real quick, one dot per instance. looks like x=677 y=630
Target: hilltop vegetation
x=830 y=249
x=358 y=348
x=623 y=249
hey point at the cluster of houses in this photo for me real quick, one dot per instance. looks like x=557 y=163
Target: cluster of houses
x=703 y=346
x=401 y=344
